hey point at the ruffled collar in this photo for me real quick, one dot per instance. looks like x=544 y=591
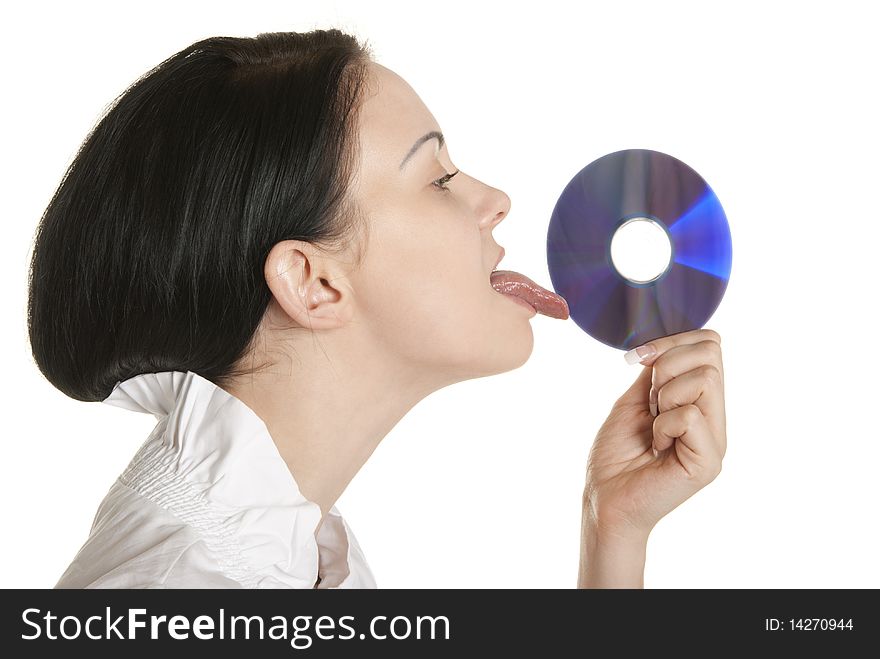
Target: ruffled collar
x=212 y=462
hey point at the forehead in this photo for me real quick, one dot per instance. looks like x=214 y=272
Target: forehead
x=392 y=117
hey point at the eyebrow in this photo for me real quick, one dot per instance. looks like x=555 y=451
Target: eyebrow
x=424 y=138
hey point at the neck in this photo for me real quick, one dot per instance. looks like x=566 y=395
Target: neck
x=328 y=408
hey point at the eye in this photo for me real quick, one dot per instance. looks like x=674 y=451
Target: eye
x=441 y=182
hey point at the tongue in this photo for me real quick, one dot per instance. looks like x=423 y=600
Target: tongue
x=518 y=285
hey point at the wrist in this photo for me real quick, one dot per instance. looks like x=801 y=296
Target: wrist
x=611 y=556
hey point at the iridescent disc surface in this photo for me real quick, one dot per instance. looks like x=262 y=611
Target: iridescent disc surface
x=638 y=183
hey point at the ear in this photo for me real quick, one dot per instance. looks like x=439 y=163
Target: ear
x=301 y=278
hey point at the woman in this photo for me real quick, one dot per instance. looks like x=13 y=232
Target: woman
x=265 y=243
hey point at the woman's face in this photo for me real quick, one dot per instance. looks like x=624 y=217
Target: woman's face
x=423 y=287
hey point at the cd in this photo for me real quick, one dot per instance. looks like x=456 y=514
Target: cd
x=608 y=198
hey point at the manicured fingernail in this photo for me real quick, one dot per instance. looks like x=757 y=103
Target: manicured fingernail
x=653 y=408
x=641 y=353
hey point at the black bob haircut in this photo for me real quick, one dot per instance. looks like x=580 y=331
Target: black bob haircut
x=150 y=255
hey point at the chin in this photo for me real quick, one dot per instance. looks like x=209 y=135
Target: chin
x=528 y=344
x=515 y=352
x=496 y=347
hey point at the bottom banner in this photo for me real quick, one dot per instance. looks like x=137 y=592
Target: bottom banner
x=328 y=622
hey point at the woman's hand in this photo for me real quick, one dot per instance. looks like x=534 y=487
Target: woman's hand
x=642 y=466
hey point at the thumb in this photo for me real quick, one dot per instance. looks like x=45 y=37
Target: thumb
x=638 y=392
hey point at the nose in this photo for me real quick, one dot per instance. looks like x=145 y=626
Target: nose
x=496 y=207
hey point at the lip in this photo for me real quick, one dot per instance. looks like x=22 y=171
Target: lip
x=500 y=256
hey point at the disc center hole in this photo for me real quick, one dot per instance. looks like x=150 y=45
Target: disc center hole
x=641 y=250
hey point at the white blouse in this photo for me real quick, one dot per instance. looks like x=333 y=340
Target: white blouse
x=208 y=502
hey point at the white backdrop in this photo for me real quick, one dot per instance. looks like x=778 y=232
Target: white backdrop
x=774 y=104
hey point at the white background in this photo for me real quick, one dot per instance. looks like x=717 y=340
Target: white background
x=774 y=104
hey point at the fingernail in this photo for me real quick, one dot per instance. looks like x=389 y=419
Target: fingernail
x=652 y=402
x=641 y=353
x=656 y=452
x=653 y=408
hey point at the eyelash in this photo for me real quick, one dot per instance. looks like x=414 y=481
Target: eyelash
x=439 y=183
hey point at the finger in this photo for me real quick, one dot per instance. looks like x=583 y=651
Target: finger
x=694 y=447
x=681 y=359
x=649 y=352
x=700 y=387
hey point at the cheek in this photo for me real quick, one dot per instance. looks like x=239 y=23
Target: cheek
x=425 y=290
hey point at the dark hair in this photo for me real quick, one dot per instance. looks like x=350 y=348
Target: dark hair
x=150 y=255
